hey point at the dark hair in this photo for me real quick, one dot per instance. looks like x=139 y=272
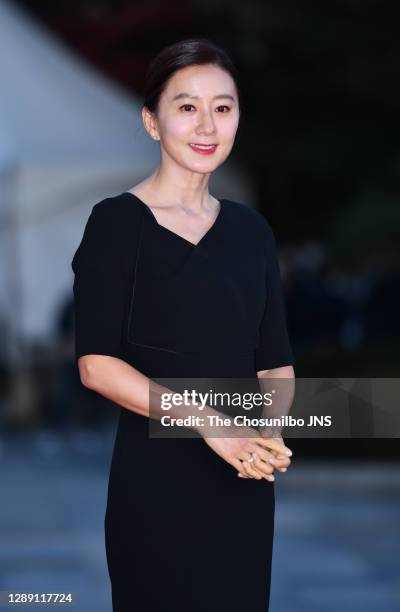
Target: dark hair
x=188 y=52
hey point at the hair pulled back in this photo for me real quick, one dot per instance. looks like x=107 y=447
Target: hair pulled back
x=188 y=52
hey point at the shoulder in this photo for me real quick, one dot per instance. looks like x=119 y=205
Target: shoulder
x=112 y=218
x=110 y=229
x=251 y=219
x=116 y=209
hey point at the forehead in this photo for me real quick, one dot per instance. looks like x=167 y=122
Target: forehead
x=202 y=81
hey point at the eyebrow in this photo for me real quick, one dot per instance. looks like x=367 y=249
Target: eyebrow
x=187 y=95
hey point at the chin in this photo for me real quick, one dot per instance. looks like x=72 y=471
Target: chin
x=203 y=166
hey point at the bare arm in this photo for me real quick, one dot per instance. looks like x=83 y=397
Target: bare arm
x=281 y=406
x=120 y=382
x=280 y=382
x=125 y=385
x=284 y=372
x=116 y=380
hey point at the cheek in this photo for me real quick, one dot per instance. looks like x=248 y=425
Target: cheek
x=228 y=129
x=176 y=128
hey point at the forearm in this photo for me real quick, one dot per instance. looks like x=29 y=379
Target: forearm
x=279 y=383
x=123 y=384
x=116 y=380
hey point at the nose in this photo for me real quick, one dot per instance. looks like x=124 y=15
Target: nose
x=206 y=123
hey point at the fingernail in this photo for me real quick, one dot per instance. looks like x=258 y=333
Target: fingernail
x=283 y=470
x=271 y=478
x=289 y=453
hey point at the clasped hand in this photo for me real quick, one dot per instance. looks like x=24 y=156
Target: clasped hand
x=268 y=453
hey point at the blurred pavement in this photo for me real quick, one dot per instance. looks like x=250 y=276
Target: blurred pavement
x=337 y=529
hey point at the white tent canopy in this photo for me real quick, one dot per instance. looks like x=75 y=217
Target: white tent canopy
x=68 y=138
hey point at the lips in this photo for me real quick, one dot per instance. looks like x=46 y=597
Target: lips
x=205 y=149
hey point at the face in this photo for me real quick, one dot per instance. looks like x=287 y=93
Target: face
x=199 y=106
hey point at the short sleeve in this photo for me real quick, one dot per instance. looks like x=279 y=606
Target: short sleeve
x=101 y=266
x=274 y=349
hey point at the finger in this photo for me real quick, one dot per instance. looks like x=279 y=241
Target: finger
x=246 y=454
x=264 y=468
x=263 y=454
x=261 y=469
x=271 y=443
x=269 y=456
x=274 y=446
x=239 y=466
x=248 y=466
x=280 y=459
x=280 y=455
x=247 y=469
x=247 y=460
x=280 y=464
x=264 y=463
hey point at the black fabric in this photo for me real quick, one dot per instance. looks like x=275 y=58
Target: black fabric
x=274 y=348
x=102 y=268
x=182 y=531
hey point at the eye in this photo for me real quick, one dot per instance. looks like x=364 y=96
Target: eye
x=185 y=106
x=188 y=106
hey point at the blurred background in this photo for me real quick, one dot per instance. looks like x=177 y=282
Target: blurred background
x=317 y=152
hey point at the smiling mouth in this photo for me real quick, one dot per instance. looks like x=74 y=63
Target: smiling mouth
x=202 y=147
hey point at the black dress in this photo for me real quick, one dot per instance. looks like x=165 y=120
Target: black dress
x=182 y=531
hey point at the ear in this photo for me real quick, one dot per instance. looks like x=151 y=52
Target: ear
x=150 y=123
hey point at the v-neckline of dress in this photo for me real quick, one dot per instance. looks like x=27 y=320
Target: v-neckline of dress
x=194 y=245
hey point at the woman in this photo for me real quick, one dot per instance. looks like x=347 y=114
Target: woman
x=171 y=282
